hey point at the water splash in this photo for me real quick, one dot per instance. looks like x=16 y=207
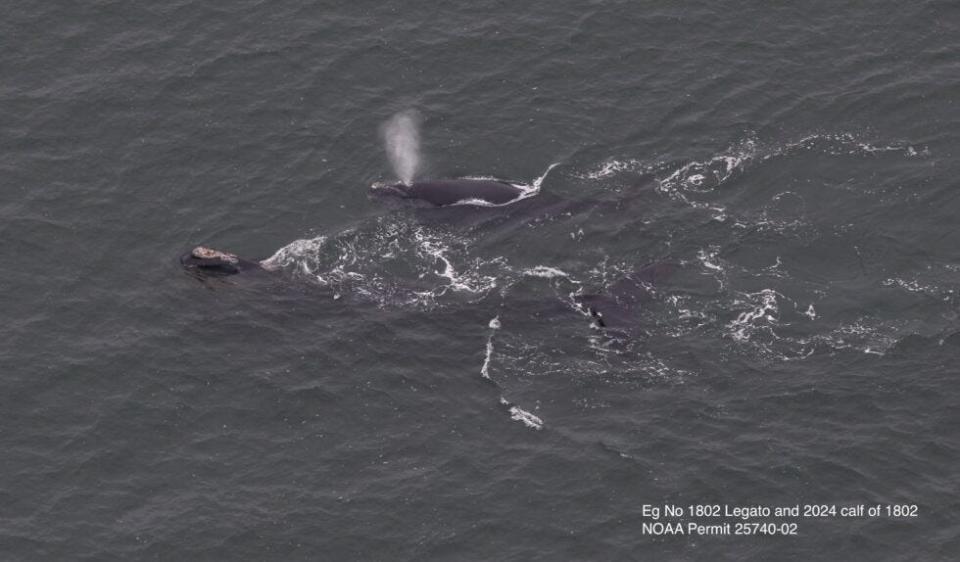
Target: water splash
x=522 y=416
x=539 y=181
x=401 y=137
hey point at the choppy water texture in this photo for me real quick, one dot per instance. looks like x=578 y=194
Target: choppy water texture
x=770 y=191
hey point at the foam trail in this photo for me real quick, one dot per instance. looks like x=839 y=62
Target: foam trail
x=516 y=413
x=539 y=181
x=485 y=369
x=401 y=136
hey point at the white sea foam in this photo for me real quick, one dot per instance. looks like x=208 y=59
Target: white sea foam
x=471 y=282
x=762 y=314
x=516 y=413
x=525 y=417
x=913 y=286
x=849 y=144
x=704 y=176
x=614 y=167
x=708 y=258
x=545 y=272
x=293 y=252
x=695 y=178
x=494 y=325
x=391 y=262
x=522 y=416
x=537 y=182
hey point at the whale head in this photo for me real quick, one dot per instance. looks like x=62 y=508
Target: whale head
x=401 y=190
x=208 y=261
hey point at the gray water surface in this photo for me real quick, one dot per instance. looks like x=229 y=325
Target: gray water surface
x=417 y=384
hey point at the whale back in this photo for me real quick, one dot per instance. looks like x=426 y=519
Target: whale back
x=450 y=192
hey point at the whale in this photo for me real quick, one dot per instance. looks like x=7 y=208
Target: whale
x=618 y=307
x=461 y=191
x=214 y=263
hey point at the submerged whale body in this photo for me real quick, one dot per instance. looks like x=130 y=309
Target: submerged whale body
x=464 y=191
x=619 y=306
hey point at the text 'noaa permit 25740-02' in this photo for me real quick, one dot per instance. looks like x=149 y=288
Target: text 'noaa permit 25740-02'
x=744 y=520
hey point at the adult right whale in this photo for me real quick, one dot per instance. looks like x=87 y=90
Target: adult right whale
x=462 y=191
x=208 y=262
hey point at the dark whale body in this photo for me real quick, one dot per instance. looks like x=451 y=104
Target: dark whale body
x=442 y=193
x=619 y=306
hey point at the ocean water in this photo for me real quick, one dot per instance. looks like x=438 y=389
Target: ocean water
x=779 y=182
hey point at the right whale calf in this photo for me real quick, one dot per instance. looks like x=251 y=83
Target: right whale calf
x=463 y=191
x=618 y=307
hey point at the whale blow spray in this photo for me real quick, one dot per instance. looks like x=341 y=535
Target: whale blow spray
x=401 y=136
